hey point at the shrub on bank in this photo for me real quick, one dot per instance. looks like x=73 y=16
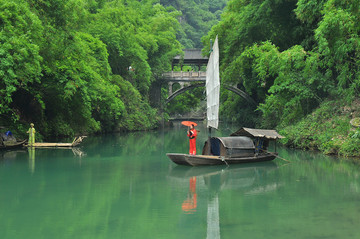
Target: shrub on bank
x=327 y=129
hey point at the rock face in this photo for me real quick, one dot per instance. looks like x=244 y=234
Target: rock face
x=355 y=122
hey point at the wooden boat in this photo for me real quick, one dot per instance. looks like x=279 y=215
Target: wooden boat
x=232 y=150
x=197 y=160
x=12 y=144
x=75 y=142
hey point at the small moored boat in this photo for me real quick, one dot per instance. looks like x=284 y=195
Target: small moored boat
x=12 y=144
x=8 y=140
x=246 y=145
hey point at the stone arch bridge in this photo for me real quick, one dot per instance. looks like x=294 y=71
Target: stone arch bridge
x=192 y=79
x=187 y=86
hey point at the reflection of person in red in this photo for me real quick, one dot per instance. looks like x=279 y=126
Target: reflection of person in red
x=189 y=205
x=192 y=134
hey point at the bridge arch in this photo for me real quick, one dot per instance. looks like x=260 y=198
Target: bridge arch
x=226 y=86
x=182 y=90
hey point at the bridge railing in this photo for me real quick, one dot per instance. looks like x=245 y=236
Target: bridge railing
x=184 y=74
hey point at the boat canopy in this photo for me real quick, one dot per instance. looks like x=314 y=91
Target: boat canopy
x=238 y=142
x=229 y=146
x=258 y=133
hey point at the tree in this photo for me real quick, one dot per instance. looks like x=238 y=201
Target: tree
x=66 y=64
x=20 y=32
x=196 y=20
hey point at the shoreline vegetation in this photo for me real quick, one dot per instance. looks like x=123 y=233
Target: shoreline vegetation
x=327 y=129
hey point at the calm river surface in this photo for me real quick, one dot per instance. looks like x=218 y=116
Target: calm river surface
x=124 y=186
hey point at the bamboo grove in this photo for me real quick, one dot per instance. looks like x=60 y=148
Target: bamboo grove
x=81 y=65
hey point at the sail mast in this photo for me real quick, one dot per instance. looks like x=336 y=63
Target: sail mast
x=213 y=87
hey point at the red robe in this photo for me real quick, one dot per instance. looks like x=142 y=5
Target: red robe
x=192 y=139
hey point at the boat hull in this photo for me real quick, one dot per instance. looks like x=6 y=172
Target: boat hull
x=198 y=160
x=9 y=145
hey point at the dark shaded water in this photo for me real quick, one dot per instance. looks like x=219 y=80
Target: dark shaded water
x=123 y=186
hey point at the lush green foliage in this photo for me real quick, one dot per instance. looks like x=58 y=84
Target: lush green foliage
x=197 y=18
x=19 y=52
x=290 y=56
x=77 y=66
x=252 y=35
x=140 y=35
x=327 y=129
x=186 y=103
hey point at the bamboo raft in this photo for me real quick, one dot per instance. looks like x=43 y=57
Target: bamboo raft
x=76 y=141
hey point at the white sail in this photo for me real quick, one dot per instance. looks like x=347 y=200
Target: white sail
x=213 y=87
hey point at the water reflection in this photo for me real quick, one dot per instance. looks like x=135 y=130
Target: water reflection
x=10 y=156
x=78 y=152
x=247 y=178
x=31 y=152
x=189 y=205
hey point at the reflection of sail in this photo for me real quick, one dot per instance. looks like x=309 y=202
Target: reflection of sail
x=213 y=219
x=213 y=87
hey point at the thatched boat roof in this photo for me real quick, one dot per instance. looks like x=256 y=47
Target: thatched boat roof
x=258 y=133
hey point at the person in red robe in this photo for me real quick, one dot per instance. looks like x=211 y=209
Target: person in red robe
x=192 y=134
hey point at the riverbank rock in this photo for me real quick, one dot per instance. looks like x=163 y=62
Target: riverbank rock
x=355 y=122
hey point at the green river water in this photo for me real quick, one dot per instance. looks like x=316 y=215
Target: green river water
x=124 y=186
